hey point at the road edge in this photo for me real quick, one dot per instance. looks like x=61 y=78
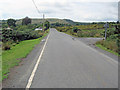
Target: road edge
x=36 y=65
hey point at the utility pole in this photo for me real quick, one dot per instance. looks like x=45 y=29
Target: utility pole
x=39 y=13
x=43 y=21
x=106 y=26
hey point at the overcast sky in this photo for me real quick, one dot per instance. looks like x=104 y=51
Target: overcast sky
x=77 y=10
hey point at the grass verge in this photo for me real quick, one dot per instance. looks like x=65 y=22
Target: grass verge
x=11 y=58
x=102 y=47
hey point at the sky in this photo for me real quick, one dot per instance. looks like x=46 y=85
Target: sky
x=76 y=10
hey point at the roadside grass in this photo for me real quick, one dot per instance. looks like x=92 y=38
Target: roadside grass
x=12 y=57
x=104 y=48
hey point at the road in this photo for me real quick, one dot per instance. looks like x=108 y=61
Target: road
x=91 y=42
x=65 y=63
x=68 y=63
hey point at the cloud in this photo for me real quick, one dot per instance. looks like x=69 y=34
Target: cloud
x=77 y=10
x=96 y=11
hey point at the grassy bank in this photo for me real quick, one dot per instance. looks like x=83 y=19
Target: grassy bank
x=104 y=48
x=11 y=58
x=109 y=46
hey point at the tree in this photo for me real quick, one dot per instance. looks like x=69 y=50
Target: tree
x=11 y=22
x=75 y=29
x=26 y=21
x=77 y=23
x=118 y=22
x=47 y=25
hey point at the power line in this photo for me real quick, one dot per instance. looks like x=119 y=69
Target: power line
x=39 y=12
x=36 y=6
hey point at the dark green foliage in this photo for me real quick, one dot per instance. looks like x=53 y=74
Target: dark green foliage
x=47 y=25
x=26 y=21
x=21 y=33
x=4 y=25
x=75 y=29
x=110 y=31
x=117 y=30
x=118 y=37
x=11 y=22
x=7 y=35
x=7 y=45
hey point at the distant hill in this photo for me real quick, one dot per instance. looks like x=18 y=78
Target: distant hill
x=51 y=20
x=70 y=21
x=54 y=20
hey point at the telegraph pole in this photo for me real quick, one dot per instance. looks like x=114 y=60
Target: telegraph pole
x=43 y=21
x=105 y=33
x=106 y=26
x=39 y=12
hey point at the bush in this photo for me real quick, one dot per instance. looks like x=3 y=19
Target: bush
x=7 y=35
x=75 y=29
x=21 y=33
x=112 y=37
x=6 y=46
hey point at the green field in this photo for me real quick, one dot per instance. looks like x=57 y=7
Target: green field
x=11 y=58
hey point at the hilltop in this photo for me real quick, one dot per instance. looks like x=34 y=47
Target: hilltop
x=52 y=21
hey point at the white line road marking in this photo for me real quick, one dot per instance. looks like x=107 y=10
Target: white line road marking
x=36 y=65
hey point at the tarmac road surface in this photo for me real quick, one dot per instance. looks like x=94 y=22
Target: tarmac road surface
x=69 y=63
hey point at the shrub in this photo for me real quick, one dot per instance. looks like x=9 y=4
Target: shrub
x=75 y=29
x=11 y=22
x=6 y=46
x=21 y=33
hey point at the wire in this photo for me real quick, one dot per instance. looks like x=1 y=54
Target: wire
x=36 y=6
